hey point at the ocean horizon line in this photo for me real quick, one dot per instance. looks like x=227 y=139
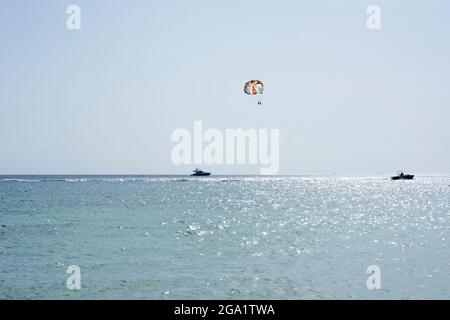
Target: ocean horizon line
x=215 y=175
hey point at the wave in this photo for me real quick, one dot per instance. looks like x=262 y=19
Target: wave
x=100 y=179
x=66 y=180
x=19 y=180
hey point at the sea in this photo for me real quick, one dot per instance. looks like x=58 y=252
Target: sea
x=224 y=237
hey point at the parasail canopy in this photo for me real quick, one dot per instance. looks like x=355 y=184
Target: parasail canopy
x=254 y=87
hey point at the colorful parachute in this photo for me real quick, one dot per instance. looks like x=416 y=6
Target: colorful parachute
x=254 y=88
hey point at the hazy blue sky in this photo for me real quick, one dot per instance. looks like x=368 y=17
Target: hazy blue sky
x=106 y=98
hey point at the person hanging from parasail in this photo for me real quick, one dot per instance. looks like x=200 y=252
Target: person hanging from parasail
x=254 y=88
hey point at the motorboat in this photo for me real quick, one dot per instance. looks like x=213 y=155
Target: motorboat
x=402 y=176
x=198 y=172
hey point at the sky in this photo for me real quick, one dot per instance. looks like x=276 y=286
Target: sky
x=105 y=99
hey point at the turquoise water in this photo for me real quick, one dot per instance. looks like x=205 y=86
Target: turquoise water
x=224 y=237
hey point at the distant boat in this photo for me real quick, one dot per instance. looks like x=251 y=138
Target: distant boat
x=198 y=172
x=402 y=176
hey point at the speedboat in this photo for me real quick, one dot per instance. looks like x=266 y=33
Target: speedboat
x=198 y=172
x=402 y=176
